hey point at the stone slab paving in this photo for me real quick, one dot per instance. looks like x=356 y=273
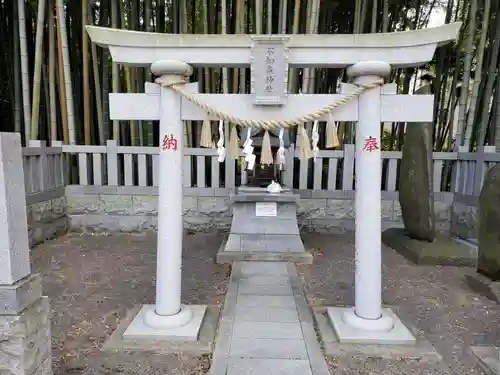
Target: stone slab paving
x=266 y=326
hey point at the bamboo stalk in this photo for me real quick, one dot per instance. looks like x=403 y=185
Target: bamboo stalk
x=25 y=80
x=62 y=88
x=35 y=109
x=128 y=81
x=115 y=82
x=52 y=63
x=467 y=68
x=98 y=99
x=17 y=84
x=67 y=70
x=85 y=63
x=292 y=74
x=374 y=16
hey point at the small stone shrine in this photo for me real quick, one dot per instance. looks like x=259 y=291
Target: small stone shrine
x=264 y=227
x=262 y=174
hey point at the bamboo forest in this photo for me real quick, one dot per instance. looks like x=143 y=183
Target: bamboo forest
x=54 y=83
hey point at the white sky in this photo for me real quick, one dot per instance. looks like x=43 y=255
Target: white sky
x=437 y=18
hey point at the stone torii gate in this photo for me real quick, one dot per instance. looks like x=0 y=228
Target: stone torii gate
x=369 y=58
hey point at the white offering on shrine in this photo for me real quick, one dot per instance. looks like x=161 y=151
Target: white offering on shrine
x=274 y=188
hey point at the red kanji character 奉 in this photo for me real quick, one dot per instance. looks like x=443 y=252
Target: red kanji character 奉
x=370 y=144
x=169 y=142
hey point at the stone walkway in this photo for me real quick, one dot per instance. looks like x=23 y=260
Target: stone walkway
x=266 y=325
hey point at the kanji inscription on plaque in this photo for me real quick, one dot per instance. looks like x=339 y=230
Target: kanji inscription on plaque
x=269 y=69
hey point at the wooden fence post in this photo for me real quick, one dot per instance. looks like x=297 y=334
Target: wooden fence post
x=112 y=161
x=348 y=167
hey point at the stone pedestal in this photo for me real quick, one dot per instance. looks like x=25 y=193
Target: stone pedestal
x=264 y=228
x=25 y=342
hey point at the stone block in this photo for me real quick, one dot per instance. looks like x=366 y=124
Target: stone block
x=272 y=243
x=40 y=211
x=261 y=268
x=59 y=206
x=267 y=330
x=268 y=348
x=214 y=206
x=257 y=366
x=442 y=211
x=312 y=208
x=416 y=194
x=16 y=297
x=463 y=220
x=488 y=262
x=387 y=209
x=145 y=204
x=442 y=251
x=14 y=245
x=398 y=335
x=488 y=359
x=264 y=225
x=116 y=204
x=340 y=208
x=266 y=290
x=80 y=204
x=484 y=286
x=25 y=341
x=267 y=314
x=266 y=301
x=138 y=330
x=422 y=351
x=189 y=205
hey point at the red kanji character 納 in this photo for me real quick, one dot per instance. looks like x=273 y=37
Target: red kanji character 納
x=370 y=144
x=169 y=142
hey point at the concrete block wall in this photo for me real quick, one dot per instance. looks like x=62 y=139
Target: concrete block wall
x=133 y=209
x=46 y=215
x=464 y=219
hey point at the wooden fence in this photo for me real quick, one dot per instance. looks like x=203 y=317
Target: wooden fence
x=44 y=167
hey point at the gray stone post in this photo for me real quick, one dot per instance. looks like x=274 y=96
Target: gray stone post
x=24 y=313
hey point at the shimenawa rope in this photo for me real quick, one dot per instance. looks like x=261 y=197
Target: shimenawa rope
x=269 y=124
x=304 y=144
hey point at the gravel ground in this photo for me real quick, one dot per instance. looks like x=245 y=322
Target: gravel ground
x=435 y=299
x=93 y=280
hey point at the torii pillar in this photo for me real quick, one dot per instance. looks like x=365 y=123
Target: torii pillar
x=168 y=317
x=368 y=322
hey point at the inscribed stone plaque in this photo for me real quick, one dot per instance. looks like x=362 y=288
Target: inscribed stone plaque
x=266 y=209
x=269 y=69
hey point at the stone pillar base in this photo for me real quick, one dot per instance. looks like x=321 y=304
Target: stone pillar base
x=25 y=341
